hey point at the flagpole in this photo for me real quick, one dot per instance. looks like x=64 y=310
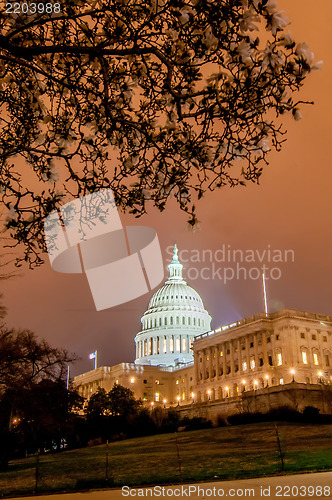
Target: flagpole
x=265 y=301
x=96 y=359
x=67 y=377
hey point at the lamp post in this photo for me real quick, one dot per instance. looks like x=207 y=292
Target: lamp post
x=267 y=380
x=178 y=398
x=164 y=403
x=293 y=374
x=320 y=374
x=192 y=398
x=209 y=394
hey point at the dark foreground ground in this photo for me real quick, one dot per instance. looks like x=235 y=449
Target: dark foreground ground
x=225 y=453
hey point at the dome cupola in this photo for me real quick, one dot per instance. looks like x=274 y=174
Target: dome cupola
x=175 y=315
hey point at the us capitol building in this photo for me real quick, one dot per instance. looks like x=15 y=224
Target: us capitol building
x=261 y=362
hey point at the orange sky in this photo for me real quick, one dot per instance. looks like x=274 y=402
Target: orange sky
x=291 y=209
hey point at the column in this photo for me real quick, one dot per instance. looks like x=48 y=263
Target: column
x=231 y=350
x=264 y=343
x=239 y=354
x=211 y=360
x=217 y=361
x=224 y=358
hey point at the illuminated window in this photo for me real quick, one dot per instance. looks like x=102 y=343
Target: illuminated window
x=165 y=345
x=281 y=381
x=207 y=358
x=316 y=358
x=177 y=345
x=132 y=380
x=150 y=347
x=145 y=348
x=156 y=398
x=304 y=358
x=252 y=364
x=183 y=380
x=279 y=359
x=157 y=345
x=177 y=382
x=157 y=382
x=221 y=353
x=183 y=396
x=171 y=344
x=184 y=345
x=244 y=366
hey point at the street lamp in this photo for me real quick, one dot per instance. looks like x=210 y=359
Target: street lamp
x=267 y=380
x=192 y=396
x=255 y=384
x=164 y=403
x=320 y=374
x=178 y=398
x=209 y=393
x=293 y=373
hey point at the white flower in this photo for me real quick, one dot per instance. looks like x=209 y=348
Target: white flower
x=263 y=144
x=303 y=50
x=245 y=51
x=247 y=23
x=11 y=215
x=271 y=6
x=297 y=114
x=209 y=39
x=277 y=22
x=287 y=39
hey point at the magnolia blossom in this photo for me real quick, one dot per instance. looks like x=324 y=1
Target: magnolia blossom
x=277 y=22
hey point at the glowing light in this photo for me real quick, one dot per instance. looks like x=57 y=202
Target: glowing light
x=164 y=401
x=267 y=377
x=292 y=372
x=320 y=374
x=243 y=382
x=209 y=392
x=178 y=398
x=132 y=380
x=192 y=395
x=152 y=403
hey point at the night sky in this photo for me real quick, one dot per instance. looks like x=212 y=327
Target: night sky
x=289 y=210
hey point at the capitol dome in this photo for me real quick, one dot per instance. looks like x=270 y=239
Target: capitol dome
x=174 y=317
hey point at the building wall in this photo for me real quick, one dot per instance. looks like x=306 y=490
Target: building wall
x=263 y=351
x=250 y=355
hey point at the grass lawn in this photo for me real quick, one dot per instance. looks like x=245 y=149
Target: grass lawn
x=232 y=452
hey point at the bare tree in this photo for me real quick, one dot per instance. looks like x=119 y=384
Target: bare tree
x=153 y=99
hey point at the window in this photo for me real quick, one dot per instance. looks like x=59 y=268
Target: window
x=221 y=354
x=314 y=337
x=165 y=345
x=251 y=344
x=277 y=337
x=177 y=345
x=228 y=351
x=252 y=364
x=324 y=339
x=177 y=382
x=302 y=335
x=184 y=345
x=207 y=358
x=171 y=344
x=279 y=359
x=157 y=382
x=150 y=346
x=281 y=381
x=145 y=382
x=268 y=340
x=156 y=396
x=261 y=362
x=183 y=320
x=270 y=360
x=171 y=320
x=189 y=322
x=183 y=380
x=304 y=358
x=327 y=360
x=183 y=396
x=316 y=358
x=244 y=366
